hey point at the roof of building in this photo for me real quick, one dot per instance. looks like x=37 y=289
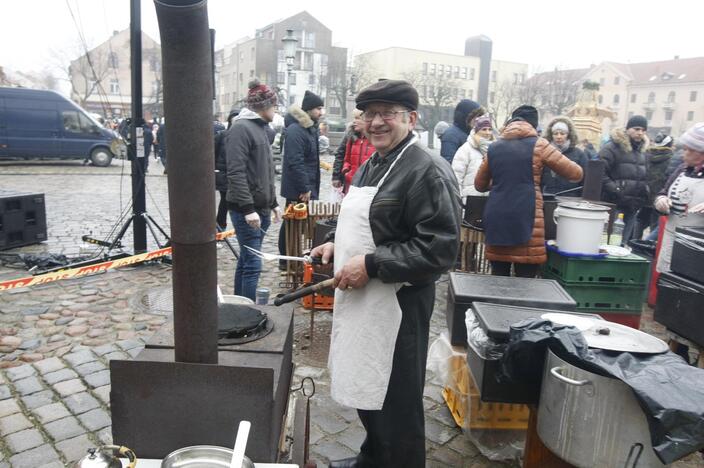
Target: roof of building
x=676 y=70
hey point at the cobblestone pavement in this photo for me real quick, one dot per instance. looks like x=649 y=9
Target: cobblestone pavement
x=56 y=340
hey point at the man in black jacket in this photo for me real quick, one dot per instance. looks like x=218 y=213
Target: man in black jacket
x=625 y=181
x=300 y=169
x=409 y=203
x=251 y=195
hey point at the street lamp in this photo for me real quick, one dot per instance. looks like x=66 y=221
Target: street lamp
x=290 y=54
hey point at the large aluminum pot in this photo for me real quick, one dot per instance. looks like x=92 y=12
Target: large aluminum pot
x=592 y=421
x=202 y=456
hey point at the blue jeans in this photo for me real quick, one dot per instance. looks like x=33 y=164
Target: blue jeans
x=249 y=266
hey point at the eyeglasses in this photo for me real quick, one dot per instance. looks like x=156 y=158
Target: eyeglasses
x=385 y=115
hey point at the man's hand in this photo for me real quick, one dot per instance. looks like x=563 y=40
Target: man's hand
x=336 y=183
x=326 y=251
x=699 y=208
x=304 y=197
x=353 y=275
x=276 y=213
x=663 y=204
x=253 y=220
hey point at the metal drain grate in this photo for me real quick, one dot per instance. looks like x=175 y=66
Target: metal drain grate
x=154 y=301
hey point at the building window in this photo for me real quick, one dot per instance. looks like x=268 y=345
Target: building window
x=464 y=73
x=617 y=80
x=441 y=69
x=281 y=77
x=690 y=116
x=668 y=116
x=602 y=81
x=493 y=76
x=113 y=60
x=310 y=40
x=432 y=69
x=241 y=77
x=311 y=79
x=292 y=79
x=153 y=63
x=601 y=99
x=617 y=99
x=651 y=97
x=425 y=68
x=448 y=70
x=692 y=96
x=471 y=74
x=649 y=115
x=633 y=98
x=251 y=73
x=671 y=96
x=457 y=71
x=114 y=87
x=234 y=97
x=280 y=57
x=241 y=56
x=252 y=53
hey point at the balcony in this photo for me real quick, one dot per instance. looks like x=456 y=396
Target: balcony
x=650 y=106
x=668 y=105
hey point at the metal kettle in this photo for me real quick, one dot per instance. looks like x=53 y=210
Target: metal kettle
x=105 y=457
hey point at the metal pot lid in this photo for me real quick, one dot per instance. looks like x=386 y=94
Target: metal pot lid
x=609 y=335
x=583 y=205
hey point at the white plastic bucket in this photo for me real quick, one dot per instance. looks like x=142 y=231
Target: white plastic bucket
x=580 y=226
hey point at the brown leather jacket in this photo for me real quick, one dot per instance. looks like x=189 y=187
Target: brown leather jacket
x=544 y=154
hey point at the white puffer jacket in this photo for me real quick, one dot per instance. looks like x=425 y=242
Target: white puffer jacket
x=466 y=163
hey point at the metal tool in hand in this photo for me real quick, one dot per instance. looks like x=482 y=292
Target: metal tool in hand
x=269 y=257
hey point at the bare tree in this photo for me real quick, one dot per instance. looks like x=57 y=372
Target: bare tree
x=503 y=99
x=438 y=94
x=339 y=84
x=86 y=74
x=557 y=90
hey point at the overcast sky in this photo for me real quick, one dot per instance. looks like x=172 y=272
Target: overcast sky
x=542 y=33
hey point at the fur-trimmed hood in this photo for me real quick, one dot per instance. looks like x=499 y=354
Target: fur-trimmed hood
x=571 y=130
x=620 y=137
x=296 y=114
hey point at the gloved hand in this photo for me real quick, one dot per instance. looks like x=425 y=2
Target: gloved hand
x=663 y=204
x=698 y=208
x=276 y=213
x=253 y=220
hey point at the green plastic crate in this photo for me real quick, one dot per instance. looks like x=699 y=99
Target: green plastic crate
x=595 y=297
x=631 y=270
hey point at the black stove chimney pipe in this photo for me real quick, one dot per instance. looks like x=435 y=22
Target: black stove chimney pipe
x=188 y=92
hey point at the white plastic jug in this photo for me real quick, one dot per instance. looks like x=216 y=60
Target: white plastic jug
x=580 y=226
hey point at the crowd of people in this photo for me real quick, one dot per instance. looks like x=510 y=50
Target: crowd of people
x=399 y=224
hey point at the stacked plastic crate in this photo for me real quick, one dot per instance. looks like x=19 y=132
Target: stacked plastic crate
x=613 y=287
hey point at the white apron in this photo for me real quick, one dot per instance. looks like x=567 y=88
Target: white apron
x=366 y=321
x=686 y=191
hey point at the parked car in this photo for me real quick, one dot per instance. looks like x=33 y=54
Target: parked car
x=39 y=124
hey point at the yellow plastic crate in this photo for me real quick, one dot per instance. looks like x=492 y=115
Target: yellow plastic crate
x=481 y=415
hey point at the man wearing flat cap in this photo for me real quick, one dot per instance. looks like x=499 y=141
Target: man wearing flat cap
x=397 y=232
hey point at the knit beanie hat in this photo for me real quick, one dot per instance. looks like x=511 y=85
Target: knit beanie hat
x=637 y=121
x=560 y=127
x=481 y=122
x=260 y=96
x=694 y=138
x=311 y=101
x=527 y=113
x=663 y=140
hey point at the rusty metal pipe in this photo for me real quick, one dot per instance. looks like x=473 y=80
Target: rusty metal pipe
x=188 y=89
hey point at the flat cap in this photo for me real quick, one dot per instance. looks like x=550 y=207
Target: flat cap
x=390 y=92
